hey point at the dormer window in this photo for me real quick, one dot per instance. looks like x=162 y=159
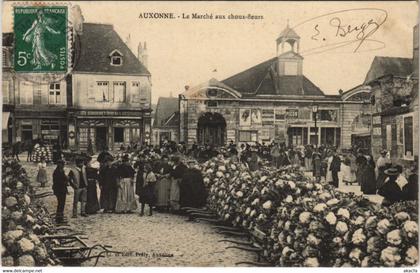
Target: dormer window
x=116 y=58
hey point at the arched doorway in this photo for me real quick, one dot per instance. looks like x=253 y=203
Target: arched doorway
x=211 y=129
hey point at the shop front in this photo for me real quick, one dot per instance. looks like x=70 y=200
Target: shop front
x=100 y=129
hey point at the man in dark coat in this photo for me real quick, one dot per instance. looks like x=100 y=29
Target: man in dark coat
x=335 y=168
x=411 y=190
x=176 y=176
x=390 y=190
x=59 y=187
x=108 y=185
x=192 y=189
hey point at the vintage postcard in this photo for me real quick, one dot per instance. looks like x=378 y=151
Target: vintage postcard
x=210 y=134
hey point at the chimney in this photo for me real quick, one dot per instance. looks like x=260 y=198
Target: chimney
x=128 y=41
x=416 y=50
x=140 y=52
x=145 y=56
x=78 y=19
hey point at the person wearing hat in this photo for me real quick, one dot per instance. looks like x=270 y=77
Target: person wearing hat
x=382 y=164
x=390 y=190
x=59 y=187
x=163 y=185
x=126 y=201
x=176 y=175
x=92 y=203
x=78 y=181
x=108 y=184
x=411 y=190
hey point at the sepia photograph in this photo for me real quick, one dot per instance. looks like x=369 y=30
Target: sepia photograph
x=210 y=134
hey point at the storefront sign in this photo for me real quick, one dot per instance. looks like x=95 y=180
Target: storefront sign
x=376 y=131
x=109 y=113
x=292 y=113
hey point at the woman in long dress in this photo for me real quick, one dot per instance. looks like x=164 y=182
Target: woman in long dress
x=126 y=201
x=368 y=181
x=92 y=204
x=42 y=172
x=163 y=185
x=329 y=177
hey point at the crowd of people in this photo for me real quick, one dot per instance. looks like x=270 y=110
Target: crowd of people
x=160 y=181
x=168 y=177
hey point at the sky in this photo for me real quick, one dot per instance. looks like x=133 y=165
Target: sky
x=191 y=51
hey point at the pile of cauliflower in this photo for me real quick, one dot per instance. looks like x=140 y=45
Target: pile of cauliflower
x=21 y=225
x=309 y=223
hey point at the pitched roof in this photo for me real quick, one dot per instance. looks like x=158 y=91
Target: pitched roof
x=288 y=33
x=383 y=66
x=210 y=83
x=96 y=43
x=258 y=80
x=165 y=108
x=7 y=39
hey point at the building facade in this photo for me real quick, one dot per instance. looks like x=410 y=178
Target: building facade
x=271 y=101
x=394 y=105
x=110 y=103
x=105 y=100
x=166 y=121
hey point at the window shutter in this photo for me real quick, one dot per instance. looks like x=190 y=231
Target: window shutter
x=91 y=89
x=44 y=91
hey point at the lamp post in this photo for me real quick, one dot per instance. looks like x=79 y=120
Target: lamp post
x=315 y=114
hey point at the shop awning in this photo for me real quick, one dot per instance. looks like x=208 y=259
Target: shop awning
x=5 y=120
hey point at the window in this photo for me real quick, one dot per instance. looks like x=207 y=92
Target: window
x=102 y=91
x=212 y=103
x=26 y=93
x=247 y=136
x=327 y=115
x=4 y=58
x=118 y=135
x=212 y=93
x=135 y=91
x=408 y=138
x=116 y=58
x=119 y=92
x=5 y=88
x=54 y=94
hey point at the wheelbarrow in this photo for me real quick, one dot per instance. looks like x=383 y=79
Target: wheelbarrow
x=72 y=250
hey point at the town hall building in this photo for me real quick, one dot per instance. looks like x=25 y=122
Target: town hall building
x=273 y=101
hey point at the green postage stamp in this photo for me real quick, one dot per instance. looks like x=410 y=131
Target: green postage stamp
x=40 y=39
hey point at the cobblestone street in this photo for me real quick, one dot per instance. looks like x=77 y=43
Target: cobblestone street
x=144 y=239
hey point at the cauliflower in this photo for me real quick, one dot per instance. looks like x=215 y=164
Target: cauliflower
x=390 y=256
x=344 y=213
x=320 y=207
x=311 y=262
x=411 y=228
x=412 y=255
x=25 y=245
x=341 y=227
x=267 y=205
x=358 y=237
x=355 y=255
x=289 y=199
x=332 y=202
x=304 y=217
x=394 y=237
x=330 y=218
x=383 y=226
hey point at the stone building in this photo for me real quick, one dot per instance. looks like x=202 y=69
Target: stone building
x=105 y=99
x=7 y=88
x=272 y=100
x=34 y=104
x=111 y=92
x=166 y=121
x=395 y=113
